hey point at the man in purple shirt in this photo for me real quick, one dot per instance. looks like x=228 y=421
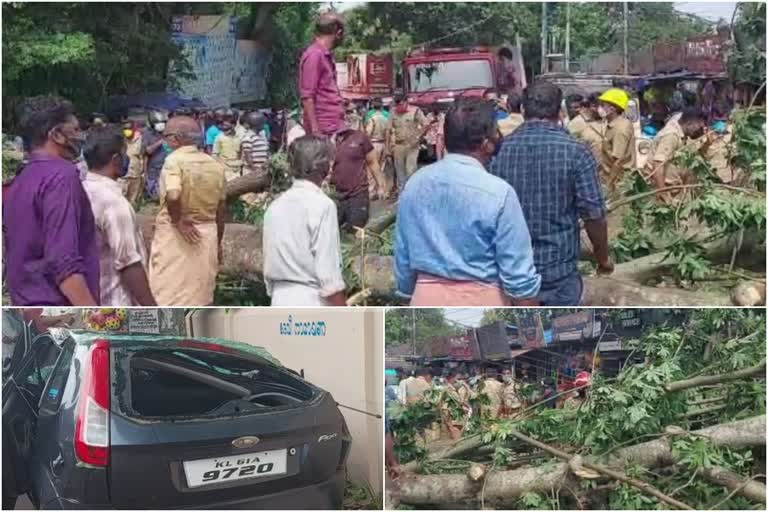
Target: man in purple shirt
x=51 y=245
x=320 y=97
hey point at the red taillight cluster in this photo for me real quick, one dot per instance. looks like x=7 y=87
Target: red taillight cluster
x=92 y=425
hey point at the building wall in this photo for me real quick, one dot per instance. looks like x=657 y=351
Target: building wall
x=341 y=351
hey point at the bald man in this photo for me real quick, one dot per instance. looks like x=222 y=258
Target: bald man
x=190 y=225
x=321 y=99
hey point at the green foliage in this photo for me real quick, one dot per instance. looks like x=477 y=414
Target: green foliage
x=87 y=52
x=746 y=59
x=429 y=322
x=748 y=150
x=407 y=422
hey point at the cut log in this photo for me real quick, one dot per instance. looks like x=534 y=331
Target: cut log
x=243 y=258
x=750 y=489
x=241 y=248
x=250 y=182
x=501 y=487
x=598 y=291
x=505 y=487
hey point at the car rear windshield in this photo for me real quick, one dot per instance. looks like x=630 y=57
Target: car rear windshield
x=186 y=383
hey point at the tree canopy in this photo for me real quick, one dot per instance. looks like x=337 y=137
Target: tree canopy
x=428 y=322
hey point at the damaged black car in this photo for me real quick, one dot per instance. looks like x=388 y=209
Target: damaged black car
x=95 y=420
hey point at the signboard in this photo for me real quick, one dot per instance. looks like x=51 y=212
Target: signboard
x=145 y=321
x=249 y=77
x=463 y=347
x=492 y=341
x=530 y=329
x=208 y=42
x=574 y=327
x=705 y=54
x=369 y=74
x=629 y=324
x=609 y=346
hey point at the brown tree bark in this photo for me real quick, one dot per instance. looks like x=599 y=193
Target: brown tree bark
x=505 y=487
x=250 y=182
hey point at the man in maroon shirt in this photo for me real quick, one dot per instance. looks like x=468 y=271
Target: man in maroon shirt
x=321 y=99
x=354 y=150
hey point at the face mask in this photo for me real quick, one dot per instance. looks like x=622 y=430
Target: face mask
x=128 y=133
x=159 y=127
x=124 y=166
x=75 y=145
x=602 y=112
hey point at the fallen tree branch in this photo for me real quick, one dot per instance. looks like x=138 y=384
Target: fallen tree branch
x=506 y=487
x=461 y=447
x=638 y=484
x=699 y=412
x=627 y=200
x=758 y=369
x=750 y=488
x=709 y=400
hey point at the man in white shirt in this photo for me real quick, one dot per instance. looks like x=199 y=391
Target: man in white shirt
x=302 y=245
x=122 y=257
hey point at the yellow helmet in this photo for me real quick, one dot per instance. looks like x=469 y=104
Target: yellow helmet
x=616 y=97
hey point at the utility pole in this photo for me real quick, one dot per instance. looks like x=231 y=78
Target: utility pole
x=568 y=37
x=626 y=37
x=413 y=330
x=543 y=37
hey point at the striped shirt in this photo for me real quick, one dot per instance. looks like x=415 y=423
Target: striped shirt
x=255 y=150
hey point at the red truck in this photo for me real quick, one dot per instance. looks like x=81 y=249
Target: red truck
x=438 y=77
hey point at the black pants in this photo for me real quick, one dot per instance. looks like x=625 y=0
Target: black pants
x=353 y=211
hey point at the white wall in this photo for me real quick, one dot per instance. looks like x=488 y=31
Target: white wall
x=347 y=361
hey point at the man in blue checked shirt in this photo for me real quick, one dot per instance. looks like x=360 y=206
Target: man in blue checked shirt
x=555 y=177
x=461 y=238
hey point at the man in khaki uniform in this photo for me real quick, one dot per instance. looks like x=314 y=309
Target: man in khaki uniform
x=680 y=130
x=619 y=148
x=407 y=125
x=586 y=126
x=493 y=388
x=515 y=118
x=227 y=148
x=415 y=388
x=376 y=128
x=133 y=182
x=510 y=394
x=190 y=224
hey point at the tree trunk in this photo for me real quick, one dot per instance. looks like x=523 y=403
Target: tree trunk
x=250 y=182
x=750 y=489
x=505 y=487
x=501 y=487
x=598 y=291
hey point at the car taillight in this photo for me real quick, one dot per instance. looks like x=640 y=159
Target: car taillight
x=92 y=425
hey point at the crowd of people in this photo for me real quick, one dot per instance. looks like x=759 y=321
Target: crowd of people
x=495 y=221
x=509 y=391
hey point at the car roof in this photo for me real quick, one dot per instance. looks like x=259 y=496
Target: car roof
x=126 y=340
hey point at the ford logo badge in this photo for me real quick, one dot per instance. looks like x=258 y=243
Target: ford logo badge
x=245 y=442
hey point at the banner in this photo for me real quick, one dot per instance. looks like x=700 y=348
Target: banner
x=575 y=326
x=530 y=329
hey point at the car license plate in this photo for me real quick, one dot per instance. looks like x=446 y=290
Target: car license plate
x=237 y=467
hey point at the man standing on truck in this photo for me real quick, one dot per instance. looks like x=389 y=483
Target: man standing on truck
x=556 y=180
x=321 y=99
x=407 y=125
x=376 y=128
x=619 y=149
